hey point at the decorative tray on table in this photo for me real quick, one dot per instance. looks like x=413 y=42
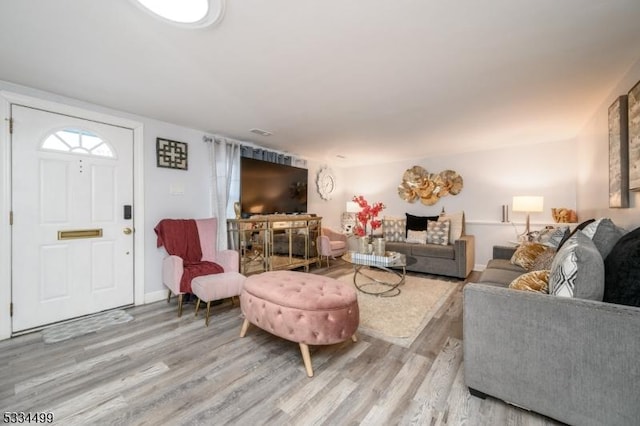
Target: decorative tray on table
x=375 y=259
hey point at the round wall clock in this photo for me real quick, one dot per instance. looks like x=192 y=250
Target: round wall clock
x=326 y=183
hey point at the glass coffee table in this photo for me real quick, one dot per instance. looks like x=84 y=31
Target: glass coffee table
x=394 y=269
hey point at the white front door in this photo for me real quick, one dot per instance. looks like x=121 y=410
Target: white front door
x=72 y=245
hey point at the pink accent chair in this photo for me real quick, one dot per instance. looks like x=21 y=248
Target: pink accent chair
x=331 y=244
x=172 y=266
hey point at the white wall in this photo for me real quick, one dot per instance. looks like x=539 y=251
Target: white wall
x=491 y=179
x=593 y=160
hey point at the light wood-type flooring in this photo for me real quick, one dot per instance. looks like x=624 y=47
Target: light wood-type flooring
x=161 y=369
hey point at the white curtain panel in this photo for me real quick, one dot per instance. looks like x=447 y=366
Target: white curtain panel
x=225 y=183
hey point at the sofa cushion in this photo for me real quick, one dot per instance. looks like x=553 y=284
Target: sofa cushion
x=526 y=254
x=433 y=250
x=535 y=281
x=438 y=232
x=622 y=271
x=604 y=234
x=577 y=269
x=416 y=237
x=418 y=223
x=394 y=229
x=456 y=229
x=503 y=277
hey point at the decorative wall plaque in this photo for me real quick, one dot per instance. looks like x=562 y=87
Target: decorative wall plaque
x=418 y=184
x=171 y=154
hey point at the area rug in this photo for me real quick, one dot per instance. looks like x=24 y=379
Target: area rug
x=86 y=325
x=400 y=319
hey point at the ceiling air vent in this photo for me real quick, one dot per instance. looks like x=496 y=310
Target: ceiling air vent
x=260 y=132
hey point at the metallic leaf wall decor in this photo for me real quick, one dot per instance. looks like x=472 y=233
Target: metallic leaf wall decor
x=417 y=183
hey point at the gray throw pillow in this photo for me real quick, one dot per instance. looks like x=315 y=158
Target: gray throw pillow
x=577 y=270
x=604 y=234
x=553 y=238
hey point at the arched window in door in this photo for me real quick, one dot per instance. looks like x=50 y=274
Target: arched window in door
x=78 y=141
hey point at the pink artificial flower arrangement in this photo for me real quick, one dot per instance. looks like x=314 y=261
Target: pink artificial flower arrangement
x=368 y=214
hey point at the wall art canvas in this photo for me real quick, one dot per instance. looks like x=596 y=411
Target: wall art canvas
x=634 y=137
x=171 y=154
x=618 y=154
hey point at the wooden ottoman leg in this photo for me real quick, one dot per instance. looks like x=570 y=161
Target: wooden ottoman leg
x=197 y=306
x=179 y=305
x=306 y=357
x=206 y=321
x=354 y=337
x=169 y=296
x=245 y=327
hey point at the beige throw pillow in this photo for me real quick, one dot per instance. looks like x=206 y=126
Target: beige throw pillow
x=456 y=228
x=417 y=237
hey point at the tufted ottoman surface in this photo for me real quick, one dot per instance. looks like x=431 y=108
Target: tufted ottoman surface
x=301 y=307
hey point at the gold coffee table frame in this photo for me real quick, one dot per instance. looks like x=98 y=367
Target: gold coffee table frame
x=390 y=288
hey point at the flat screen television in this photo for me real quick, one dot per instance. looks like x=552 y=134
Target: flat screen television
x=268 y=188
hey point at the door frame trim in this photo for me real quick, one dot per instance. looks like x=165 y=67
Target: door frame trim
x=6 y=99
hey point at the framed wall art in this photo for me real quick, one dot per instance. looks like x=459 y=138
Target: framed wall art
x=618 y=154
x=171 y=154
x=634 y=137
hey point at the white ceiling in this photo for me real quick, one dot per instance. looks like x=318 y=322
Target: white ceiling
x=372 y=80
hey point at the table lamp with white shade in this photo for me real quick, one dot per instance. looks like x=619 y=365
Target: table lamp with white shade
x=349 y=217
x=527 y=204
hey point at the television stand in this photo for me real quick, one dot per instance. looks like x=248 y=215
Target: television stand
x=274 y=242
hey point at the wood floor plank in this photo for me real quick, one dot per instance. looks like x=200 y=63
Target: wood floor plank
x=162 y=369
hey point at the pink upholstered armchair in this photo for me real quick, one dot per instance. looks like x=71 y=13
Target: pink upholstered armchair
x=192 y=252
x=331 y=244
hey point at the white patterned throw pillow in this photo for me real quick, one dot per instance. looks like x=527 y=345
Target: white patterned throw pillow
x=577 y=270
x=394 y=229
x=417 y=237
x=438 y=232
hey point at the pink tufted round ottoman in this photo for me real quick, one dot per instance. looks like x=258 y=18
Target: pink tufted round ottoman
x=304 y=308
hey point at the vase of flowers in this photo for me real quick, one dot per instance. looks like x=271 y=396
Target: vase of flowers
x=366 y=220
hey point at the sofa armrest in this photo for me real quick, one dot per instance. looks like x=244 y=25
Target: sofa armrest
x=333 y=235
x=172 y=270
x=503 y=252
x=570 y=359
x=465 y=254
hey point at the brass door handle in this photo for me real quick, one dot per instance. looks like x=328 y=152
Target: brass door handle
x=127 y=231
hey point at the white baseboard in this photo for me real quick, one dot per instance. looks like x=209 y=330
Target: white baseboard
x=479 y=268
x=155 y=296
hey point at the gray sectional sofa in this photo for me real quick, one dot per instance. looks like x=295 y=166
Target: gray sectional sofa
x=454 y=260
x=574 y=360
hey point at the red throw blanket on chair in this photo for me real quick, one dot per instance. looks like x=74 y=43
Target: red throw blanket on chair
x=180 y=238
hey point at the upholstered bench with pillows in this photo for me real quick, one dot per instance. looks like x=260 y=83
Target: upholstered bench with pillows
x=433 y=244
x=562 y=341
